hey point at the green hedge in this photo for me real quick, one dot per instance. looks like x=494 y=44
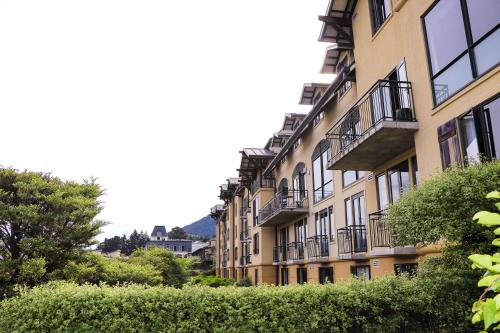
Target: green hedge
x=384 y=305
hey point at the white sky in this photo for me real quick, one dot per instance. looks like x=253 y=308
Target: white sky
x=153 y=97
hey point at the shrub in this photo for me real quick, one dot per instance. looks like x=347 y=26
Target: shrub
x=244 y=282
x=392 y=304
x=163 y=261
x=211 y=281
x=97 y=269
x=441 y=209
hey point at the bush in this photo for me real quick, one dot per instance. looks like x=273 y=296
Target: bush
x=211 y=281
x=163 y=261
x=97 y=269
x=392 y=304
x=244 y=282
x=441 y=209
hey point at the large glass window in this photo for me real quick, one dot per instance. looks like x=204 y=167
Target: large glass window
x=480 y=131
x=300 y=231
x=325 y=275
x=301 y=275
x=255 y=209
x=379 y=11
x=399 y=180
x=361 y=272
x=323 y=222
x=322 y=177
x=350 y=176
x=355 y=210
x=383 y=199
x=462 y=42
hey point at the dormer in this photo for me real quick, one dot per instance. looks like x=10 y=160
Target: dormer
x=311 y=93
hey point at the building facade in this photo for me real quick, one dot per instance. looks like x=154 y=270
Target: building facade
x=416 y=90
x=180 y=247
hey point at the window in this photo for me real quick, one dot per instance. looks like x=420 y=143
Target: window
x=175 y=247
x=300 y=231
x=325 y=275
x=361 y=272
x=323 y=222
x=382 y=195
x=355 y=210
x=256 y=243
x=255 y=209
x=301 y=275
x=319 y=117
x=448 y=144
x=350 y=176
x=256 y=279
x=379 y=11
x=322 y=177
x=284 y=276
x=299 y=184
x=480 y=131
x=399 y=180
x=297 y=144
x=410 y=269
x=183 y=248
x=463 y=42
x=414 y=166
x=341 y=67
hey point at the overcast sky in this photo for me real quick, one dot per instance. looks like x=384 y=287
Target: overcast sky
x=153 y=97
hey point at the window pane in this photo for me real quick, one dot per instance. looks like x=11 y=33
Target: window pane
x=348 y=212
x=469 y=137
x=488 y=52
x=454 y=78
x=483 y=15
x=317 y=173
x=445 y=33
x=394 y=180
x=494 y=112
x=382 y=192
x=327 y=174
x=349 y=177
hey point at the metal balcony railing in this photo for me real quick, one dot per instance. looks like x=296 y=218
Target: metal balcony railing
x=279 y=253
x=284 y=200
x=318 y=246
x=352 y=239
x=262 y=183
x=385 y=101
x=380 y=232
x=295 y=251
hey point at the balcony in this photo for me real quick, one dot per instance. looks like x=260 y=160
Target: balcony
x=380 y=232
x=244 y=235
x=279 y=253
x=284 y=206
x=318 y=246
x=262 y=183
x=379 y=127
x=352 y=239
x=381 y=237
x=295 y=251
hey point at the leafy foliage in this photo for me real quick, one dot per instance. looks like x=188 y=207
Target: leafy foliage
x=244 y=282
x=44 y=223
x=110 y=244
x=163 y=261
x=487 y=309
x=97 y=269
x=135 y=241
x=392 y=304
x=440 y=209
x=211 y=281
x=177 y=233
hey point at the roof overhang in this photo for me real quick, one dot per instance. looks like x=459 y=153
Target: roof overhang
x=311 y=91
x=253 y=160
x=332 y=56
x=337 y=26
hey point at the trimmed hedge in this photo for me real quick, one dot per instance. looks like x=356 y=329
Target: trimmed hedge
x=386 y=305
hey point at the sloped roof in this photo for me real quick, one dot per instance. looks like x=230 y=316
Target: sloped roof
x=159 y=229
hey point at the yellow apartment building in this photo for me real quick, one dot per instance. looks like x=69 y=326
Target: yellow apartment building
x=416 y=90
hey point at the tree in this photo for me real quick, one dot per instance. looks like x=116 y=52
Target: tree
x=487 y=309
x=440 y=210
x=111 y=244
x=177 y=233
x=43 y=217
x=135 y=241
x=164 y=261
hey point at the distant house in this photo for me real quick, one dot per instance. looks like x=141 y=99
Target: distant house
x=182 y=248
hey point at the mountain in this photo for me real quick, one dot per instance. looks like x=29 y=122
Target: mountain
x=203 y=227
